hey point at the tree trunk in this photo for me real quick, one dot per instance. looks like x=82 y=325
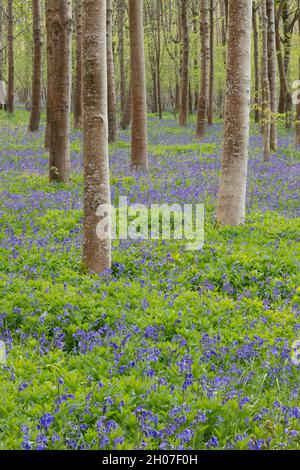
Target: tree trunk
x=111 y=89
x=60 y=25
x=78 y=80
x=298 y=102
x=96 y=249
x=232 y=194
x=184 y=96
x=265 y=82
x=10 y=57
x=139 y=157
x=35 y=116
x=122 y=70
x=212 y=67
x=3 y=103
x=158 y=53
x=272 y=72
x=205 y=56
x=126 y=117
x=257 y=102
x=48 y=9
x=285 y=94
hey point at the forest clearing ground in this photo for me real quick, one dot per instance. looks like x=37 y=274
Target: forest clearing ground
x=173 y=349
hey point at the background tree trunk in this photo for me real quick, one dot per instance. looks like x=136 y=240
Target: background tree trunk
x=285 y=93
x=35 y=115
x=10 y=56
x=126 y=117
x=60 y=24
x=111 y=89
x=1 y=51
x=232 y=194
x=257 y=101
x=139 y=157
x=265 y=82
x=205 y=56
x=298 y=103
x=184 y=95
x=96 y=252
x=272 y=71
x=122 y=69
x=78 y=80
x=212 y=65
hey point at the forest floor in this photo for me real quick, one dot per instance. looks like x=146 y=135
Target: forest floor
x=172 y=349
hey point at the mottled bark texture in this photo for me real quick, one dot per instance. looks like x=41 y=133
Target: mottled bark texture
x=121 y=51
x=78 y=77
x=126 y=116
x=111 y=87
x=35 y=114
x=10 y=58
x=1 y=51
x=184 y=92
x=232 y=194
x=298 y=102
x=210 y=115
x=265 y=82
x=59 y=14
x=96 y=251
x=205 y=59
x=272 y=72
x=139 y=157
x=257 y=100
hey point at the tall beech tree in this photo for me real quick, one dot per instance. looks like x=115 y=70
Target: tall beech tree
x=121 y=11
x=232 y=193
x=272 y=72
x=96 y=250
x=10 y=57
x=59 y=25
x=184 y=91
x=112 y=99
x=257 y=100
x=205 y=59
x=78 y=78
x=212 y=65
x=298 y=101
x=265 y=82
x=2 y=86
x=35 y=115
x=139 y=156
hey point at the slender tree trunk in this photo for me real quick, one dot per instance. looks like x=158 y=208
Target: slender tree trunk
x=96 y=248
x=205 y=57
x=122 y=69
x=112 y=99
x=265 y=82
x=48 y=12
x=1 y=58
x=60 y=24
x=126 y=117
x=10 y=56
x=212 y=67
x=154 y=91
x=298 y=102
x=272 y=72
x=257 y=102
x=158 y=16
x=232 y=194
x=184 y=96
x=78 y=80
x=285 y=94
x=139 y=157
x=35 y=115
